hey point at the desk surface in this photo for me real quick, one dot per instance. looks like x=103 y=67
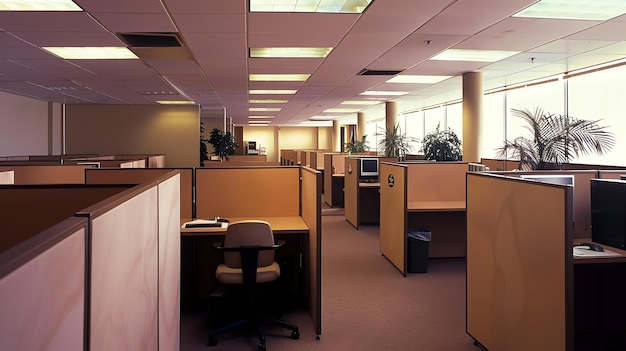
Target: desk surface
x=280 y=225
x=439 y=206
x=369 y=185
x=600 y=259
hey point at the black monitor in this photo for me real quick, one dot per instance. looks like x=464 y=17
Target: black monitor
x=369 y=167
x=608 y=212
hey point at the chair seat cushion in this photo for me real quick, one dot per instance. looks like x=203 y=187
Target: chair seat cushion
x=227 y=275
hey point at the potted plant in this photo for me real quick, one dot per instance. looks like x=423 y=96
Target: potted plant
x=204 y=150
x=555 y=140
x=223 y=143
x=357 y=145
x=395 y=143
x=442 y=145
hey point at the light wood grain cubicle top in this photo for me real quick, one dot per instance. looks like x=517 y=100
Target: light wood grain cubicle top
x=519 y=264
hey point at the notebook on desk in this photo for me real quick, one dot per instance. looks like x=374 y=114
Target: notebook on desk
x=204 y=223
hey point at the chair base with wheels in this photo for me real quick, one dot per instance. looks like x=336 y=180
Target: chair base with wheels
x=249 y=264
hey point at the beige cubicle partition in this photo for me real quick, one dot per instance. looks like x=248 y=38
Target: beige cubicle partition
x=430 y=196
x=141 y=175
x=334 y=169
x=7 y=177
x=519 y=264
x=393 y=214
x=500 y=165
x=312 y=254
x=351 y=191
x=48 y=174
x=582 y=195
x=611 y=173
x=247 y=191
x=107 y=258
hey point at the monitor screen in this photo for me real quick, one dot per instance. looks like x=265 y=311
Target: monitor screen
x=369 y=167
x=608 y=212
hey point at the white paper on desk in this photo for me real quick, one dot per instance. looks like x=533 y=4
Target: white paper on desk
x=224 y=224
x=584 y=253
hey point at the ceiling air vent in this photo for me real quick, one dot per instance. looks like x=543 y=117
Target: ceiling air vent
x=378 y=72
x=151 y=40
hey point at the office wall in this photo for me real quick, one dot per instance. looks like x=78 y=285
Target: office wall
x=275 y=139
x=265 y=137
x=138 y=129
x=25 y=126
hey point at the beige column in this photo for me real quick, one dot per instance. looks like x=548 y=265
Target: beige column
x=336 y=136
x=472 y=114
x=391 y=115
x=360 y=125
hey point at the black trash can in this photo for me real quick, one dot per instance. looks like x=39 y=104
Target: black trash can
x=417 y=253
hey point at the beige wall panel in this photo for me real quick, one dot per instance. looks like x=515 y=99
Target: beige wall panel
x=24 y=124
x=312 y=250
x=264 y=137
x=518 y=260
x=436 y=181
x=42 y=305
x=351 y=191
x=325 y=138
x=393 y=218
x=300 y=138
x=169 y=263
x=124 y=279
x=173 y=131
x=248 y=192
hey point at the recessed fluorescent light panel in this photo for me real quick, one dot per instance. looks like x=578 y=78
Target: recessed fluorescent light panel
x=289 y=52
x=268 y=101
x=342 y=110
x=38 y=5
x=271 y=92
x=261 y=117
x=361 y=102
x=279 y=77
x=596 y=10
x=264 y=109
x=92 y=53
x=329 y=6
x=474 y=55
x=384 y=93
x=417 y=79
x=180 y=102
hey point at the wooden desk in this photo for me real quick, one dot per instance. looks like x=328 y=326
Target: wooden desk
x=199 y=259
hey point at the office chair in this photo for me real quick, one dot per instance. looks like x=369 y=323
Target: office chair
x=249 y=259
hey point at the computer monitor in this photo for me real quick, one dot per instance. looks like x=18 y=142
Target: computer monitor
x=369 y=167
x=608 y=212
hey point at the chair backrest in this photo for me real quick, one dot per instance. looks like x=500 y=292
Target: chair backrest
x=249 y=233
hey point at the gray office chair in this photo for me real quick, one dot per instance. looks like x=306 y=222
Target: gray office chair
x=249 y=259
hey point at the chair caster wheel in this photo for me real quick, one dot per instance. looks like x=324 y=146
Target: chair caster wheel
x=212 y=341
x=295 y=335
x=261 y=347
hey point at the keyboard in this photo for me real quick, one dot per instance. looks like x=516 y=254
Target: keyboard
x=204 y=225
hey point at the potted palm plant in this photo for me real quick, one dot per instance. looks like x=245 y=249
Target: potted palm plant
x=556 y=139
x=223 y=143
x=357 y=145
x=442 y=145
x=395 y=143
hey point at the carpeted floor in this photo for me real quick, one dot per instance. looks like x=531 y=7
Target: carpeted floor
x=366 y=303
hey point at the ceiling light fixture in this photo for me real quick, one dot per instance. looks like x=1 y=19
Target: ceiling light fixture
x=38 y=5
x=330 y=6
x=417 y=79
x=595 y=10
x=474 y=55
x=289 y=52
x=91 y=53
x=271 y=92
x=279 y=77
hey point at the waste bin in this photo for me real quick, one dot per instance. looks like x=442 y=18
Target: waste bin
x=418 y=240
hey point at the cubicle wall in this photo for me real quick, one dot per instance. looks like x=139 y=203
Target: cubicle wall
x=108 y=261
x=519 y=264
x=351 y=191
x=582 y=195
x=7 y=177
x=140 y=175
x=48 y=174
x=500 y=165
x=422 y=195
x=248 y=192
x=311 y=199
x=334 y=167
